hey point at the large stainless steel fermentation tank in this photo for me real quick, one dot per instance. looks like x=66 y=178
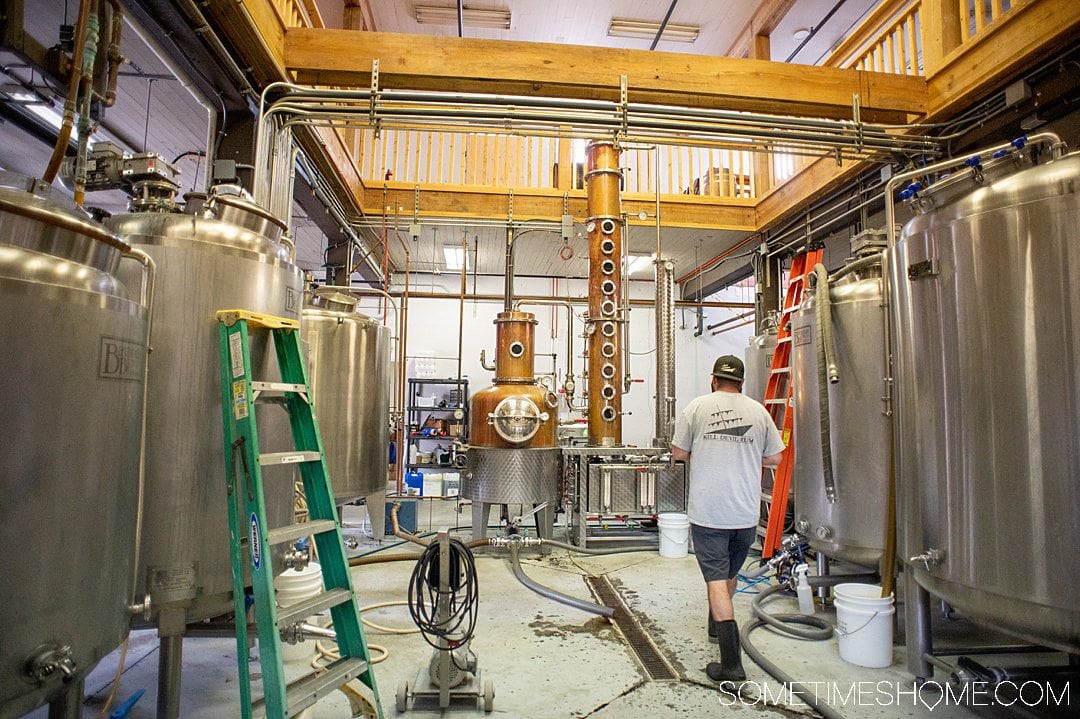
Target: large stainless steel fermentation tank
x=228 y=256
x=71 y=386
x=349 y=370
x=758 y=356
x=987 y=336
x=849 y=525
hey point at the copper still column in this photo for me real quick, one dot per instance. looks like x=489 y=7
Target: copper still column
x=603 y=328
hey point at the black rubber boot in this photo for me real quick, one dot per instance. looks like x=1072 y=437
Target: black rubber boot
x=712 y=630
x=729 y=668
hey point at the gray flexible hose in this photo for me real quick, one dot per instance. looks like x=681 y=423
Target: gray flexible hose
x=594 y=552
x=550 y=593
x=827 y=373
x=783 y=622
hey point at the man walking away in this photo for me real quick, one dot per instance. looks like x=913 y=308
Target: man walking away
x=727 y=438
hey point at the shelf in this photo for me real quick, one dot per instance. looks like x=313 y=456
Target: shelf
x=436 y=436
x=451 y=380
x=421 y=408
x=432 y=466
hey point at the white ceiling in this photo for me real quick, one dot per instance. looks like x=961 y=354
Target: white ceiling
x=585 y=22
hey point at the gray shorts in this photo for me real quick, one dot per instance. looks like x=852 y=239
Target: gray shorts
x=721 y=552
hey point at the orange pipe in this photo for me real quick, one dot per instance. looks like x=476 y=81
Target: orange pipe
x=60 y=149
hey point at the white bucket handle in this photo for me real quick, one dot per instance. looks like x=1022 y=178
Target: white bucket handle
x=842 y=633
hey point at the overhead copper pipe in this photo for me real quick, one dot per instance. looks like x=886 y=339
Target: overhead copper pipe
x=72 y=97
x=481 y=297
x=606 y=310
x=115 y=59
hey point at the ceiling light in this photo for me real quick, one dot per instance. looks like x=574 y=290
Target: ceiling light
x=437 y=15
x=454 y=256
x=644 y=29
x=801 y=34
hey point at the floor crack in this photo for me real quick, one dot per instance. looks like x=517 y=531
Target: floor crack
x=629 y=690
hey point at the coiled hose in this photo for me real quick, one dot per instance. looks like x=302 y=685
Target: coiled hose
x=816 y=629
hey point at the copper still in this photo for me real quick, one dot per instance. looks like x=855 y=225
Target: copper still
x=604 y=327
x=513 y=454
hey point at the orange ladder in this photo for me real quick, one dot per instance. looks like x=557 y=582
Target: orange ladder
x=778 y=393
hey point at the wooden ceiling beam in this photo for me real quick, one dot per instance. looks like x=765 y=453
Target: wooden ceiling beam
x=762 y=23
x=468 y=202
x=344 y=58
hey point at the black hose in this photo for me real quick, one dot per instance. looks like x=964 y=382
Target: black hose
x=460 y=604
x=550 y=593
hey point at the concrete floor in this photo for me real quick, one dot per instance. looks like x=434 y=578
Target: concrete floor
x=547 y=661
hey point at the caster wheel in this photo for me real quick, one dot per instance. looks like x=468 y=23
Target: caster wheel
x=489 y=695
x=402 y=698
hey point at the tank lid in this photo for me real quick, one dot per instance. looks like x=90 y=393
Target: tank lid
x=333 y=301
x=74 y=236
x=232 y=205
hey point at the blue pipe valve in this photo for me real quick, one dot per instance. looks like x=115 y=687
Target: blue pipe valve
x=910 y=191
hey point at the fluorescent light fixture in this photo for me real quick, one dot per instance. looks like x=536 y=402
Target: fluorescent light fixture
x=454 y=256
x=439 y=15
x=48 y=115
x=637 y=263
x=646 y=30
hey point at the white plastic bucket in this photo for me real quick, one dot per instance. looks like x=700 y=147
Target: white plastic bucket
x=294 y=586
x=864 y=622
x=674 y=534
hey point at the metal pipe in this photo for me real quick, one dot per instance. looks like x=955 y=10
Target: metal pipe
x=508 y=288
x=212 y=115
x=919 y=641
x=113 y=53
x=550 y=593
x=728 y=321
x=72 y=97
x=68 y=704
x=461 y=310
x=572 y=300
x=569 y=391
x=170 y=666
x=663 y=24
x=890 y=186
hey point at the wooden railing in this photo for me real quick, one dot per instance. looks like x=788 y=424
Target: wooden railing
x=887 y=41
x=980 y=14
x=297 y=13
x=507 y=161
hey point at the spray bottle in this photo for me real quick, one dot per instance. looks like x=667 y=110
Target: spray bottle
x=802 y=590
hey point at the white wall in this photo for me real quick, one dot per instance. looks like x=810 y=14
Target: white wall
x=433 y=328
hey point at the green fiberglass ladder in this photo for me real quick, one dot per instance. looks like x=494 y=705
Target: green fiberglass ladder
x=252 y=541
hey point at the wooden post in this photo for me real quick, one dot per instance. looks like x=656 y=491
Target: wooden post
x=760 y=50
x=566 y=163
x=940 y=32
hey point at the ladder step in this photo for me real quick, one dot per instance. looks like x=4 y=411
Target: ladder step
x=295 y=531
x=295 y=612
x=295 y=457
x=782 y=370
x=776 y=401
x=307 y=690
x=278 y=387
x=780 y=340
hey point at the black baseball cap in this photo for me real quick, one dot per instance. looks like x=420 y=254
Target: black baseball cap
x=729 y=367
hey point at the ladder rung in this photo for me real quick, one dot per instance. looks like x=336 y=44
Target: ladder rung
x=781 y=370
x=295 y=457
x=278 y=387
x=776 y=401
x=295 y=531
x=307 y=690
x=783 y=339
x=320 y=603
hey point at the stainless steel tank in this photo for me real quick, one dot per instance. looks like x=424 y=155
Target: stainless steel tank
x=71 y=381
x=758 y=363
x=851 y=528
x=349 y=371
x=987 y=338
x=229 y=258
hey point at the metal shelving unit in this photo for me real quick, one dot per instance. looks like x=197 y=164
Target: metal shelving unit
x=416 y=415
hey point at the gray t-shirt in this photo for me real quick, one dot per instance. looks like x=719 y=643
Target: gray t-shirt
x=727 y=435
